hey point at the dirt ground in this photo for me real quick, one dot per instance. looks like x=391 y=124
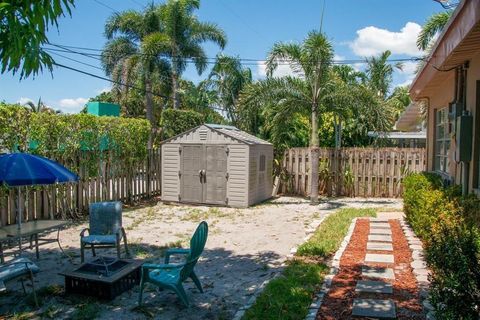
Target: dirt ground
x=245 y=247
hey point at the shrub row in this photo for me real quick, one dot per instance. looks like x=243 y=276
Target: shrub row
x=448 y=225
x=62 y=135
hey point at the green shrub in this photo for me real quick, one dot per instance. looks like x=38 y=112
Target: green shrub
x=177 y=121
x=449 y=225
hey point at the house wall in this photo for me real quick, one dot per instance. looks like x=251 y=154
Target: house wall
x=170 y=169
x=473 y=105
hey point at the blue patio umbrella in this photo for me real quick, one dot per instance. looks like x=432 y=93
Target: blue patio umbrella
x=23 y=169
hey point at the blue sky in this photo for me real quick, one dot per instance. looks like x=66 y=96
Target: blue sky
x=356 y=28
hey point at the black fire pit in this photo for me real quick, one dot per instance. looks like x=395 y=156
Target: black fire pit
x=103 y=277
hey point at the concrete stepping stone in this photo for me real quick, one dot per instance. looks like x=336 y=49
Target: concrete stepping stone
x=380 y=237
x=379 y=246
x=379 y=225
x=378 y=272
x=380 y=231
x=379 y=258
x=374 y=286
x=374 y=308
x=378 y=219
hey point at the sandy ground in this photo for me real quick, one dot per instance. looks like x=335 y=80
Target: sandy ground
x=245 y=247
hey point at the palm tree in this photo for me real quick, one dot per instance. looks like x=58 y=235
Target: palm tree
x=228 y=77
x=310 y=60
x=135 y=51
x=40 y=107
x=431 y=28
x=185 y=35
x=380 y=73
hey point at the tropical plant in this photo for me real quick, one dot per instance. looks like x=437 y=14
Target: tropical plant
x=184 y=35
x=40 y=107
x=380 y=73
x=23 y=28
x=200 y=98
x=135 y=52
x=431 y=28
x=228 y=77
x=399 y=100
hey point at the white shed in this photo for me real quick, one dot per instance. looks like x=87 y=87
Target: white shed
x=216 y=164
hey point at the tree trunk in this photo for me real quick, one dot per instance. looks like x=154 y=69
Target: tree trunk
x=314 y=156
x=149 y=107
x=175 y=102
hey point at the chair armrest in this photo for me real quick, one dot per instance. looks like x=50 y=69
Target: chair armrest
x=82 y=233
x=153 y=266
x=173 y=251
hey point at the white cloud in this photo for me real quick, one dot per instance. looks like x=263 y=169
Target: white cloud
x=24 y=100
x=408 y=72
x=282 y=70
x=72 y=105
x=372 y=41
x=338 y=57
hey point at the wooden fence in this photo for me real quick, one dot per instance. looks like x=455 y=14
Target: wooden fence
x=103 y=177
x=364 y=172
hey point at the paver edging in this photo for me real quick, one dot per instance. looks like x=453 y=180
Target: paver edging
x=420 y=268
x=310 y=230
x=327 y=282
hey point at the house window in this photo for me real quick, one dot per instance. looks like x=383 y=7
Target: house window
x=442 y=140
x=262 y=163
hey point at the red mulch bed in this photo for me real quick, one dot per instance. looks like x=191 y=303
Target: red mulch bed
x=337 y=304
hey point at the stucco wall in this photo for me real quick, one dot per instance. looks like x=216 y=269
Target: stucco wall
x=472 y=77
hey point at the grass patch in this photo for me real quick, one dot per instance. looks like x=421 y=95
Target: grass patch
x=87 y=311
x=197 y=214
x=327 y=238
x=289 y=296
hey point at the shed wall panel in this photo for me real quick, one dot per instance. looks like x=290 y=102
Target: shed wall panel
x=237 y=186
x=260 y=181
x=170 y=169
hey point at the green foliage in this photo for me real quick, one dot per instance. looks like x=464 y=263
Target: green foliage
x=431 y=28
x=23 y=28
x=329 y=235
x=449 y=226
x=177 y=121
x=62 y=136
x=288 y=296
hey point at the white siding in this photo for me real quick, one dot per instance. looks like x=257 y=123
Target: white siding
x=237 y=186
x=170 y=169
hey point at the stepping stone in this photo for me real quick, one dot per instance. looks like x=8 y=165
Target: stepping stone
x=379 y=258
x=379 y=246
x=379 y=225
x=379 y=237
x=378 y=272
x=380 y=231
x=374 y=308
x=374 y=286
x=378 y=219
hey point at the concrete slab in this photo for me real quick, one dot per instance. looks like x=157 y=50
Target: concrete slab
x=374 y=286
x=379 y=258
x=374 y=224
x=380 y=237
x=379 y=246
x=378 y=219
x=380 y=231
x=378 y=272
x=374 y=308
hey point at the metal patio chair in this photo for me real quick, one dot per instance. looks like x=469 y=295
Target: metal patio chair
x=18 y=268
x=105 y=230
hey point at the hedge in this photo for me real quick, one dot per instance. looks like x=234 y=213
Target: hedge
x=449 y=226
x=62 y=135
x=177 y=121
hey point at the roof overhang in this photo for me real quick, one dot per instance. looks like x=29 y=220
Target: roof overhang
x=398 y=135
x=410 y=119
x=458 y=43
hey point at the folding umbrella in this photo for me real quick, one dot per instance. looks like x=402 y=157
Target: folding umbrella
x=23 y=169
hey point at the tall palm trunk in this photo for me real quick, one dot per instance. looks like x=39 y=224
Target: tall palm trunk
x=149 y=107
x=314 y=153
x=175 y=102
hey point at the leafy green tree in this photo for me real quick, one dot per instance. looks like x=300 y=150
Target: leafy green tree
x=228 y=77
x=135 y=52
x=431 y=28
x=380 y=73
x=23 y=27
x=200 y=98
x=184 y=35
x=399 y=100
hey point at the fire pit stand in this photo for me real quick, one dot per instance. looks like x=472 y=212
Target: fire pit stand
x=103 y=277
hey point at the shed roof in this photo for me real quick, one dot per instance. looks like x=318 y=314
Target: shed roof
x=229 y=131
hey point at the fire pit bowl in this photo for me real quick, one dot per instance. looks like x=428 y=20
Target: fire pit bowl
x=103 y=277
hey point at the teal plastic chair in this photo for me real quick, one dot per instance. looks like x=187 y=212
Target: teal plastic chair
x=171 y=276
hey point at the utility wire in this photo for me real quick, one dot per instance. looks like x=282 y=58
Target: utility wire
x=106 y=6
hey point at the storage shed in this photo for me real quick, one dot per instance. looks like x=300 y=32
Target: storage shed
x=216 y=164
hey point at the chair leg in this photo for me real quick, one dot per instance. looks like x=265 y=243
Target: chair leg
x=196 y=281
x=140 y=294
x=82 y=252
x=118 y=249
x=37 y=253
x=33 y=290
x=127 y=253
x=181 y=294
x=93 y=250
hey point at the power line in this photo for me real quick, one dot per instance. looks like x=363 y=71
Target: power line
x=74 y=60
x=106 y=6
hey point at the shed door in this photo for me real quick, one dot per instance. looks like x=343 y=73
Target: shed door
x=191 y=179
x=215 y=188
